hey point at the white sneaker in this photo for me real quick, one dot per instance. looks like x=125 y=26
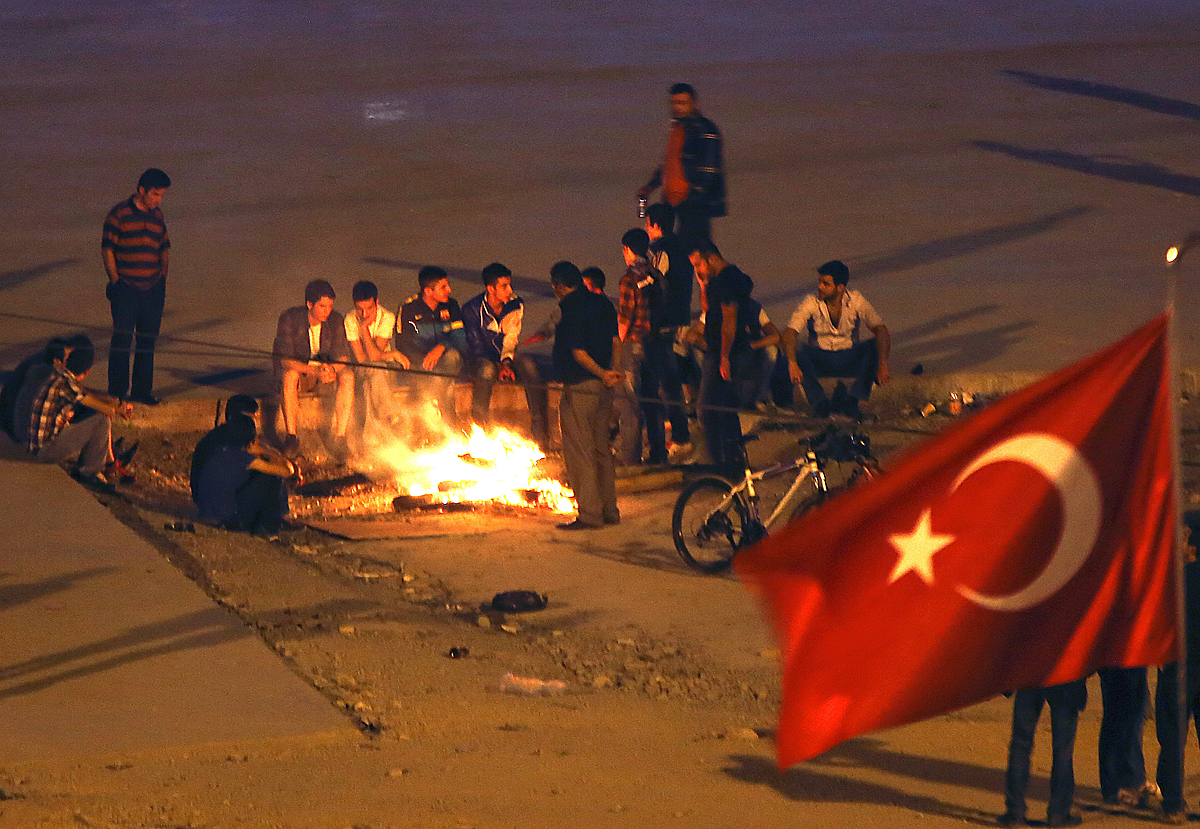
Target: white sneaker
x=676 y=451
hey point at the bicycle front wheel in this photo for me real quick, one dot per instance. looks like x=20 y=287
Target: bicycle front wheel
x=708 y=524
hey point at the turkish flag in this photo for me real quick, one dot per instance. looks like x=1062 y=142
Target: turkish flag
x=1024 y=547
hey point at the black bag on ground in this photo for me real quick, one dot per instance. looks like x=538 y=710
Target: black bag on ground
x=518 y=601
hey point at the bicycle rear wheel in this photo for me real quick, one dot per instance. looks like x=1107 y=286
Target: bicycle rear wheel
x=707 y=532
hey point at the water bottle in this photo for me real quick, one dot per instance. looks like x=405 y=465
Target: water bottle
x=641 y=207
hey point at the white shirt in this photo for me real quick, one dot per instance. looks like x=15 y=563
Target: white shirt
x=812 y=320
x=382 y=326
x=314 y=342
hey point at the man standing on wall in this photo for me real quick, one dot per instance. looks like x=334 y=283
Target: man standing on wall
x=135 y=248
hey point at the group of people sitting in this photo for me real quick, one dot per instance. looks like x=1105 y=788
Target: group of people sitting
x=725 y=359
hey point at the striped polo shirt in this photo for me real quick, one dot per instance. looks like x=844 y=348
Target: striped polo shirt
x=137 y=239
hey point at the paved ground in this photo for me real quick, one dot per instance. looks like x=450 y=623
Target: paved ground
x=110 y=648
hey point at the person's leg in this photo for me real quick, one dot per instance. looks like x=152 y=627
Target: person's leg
x=863 y=360
x=149 y=321
x=537 y=399
x=1027 y=707
x=1123 y=692
x=123 y=305
x=629 y=414
x=89 y=438
x=578 y=410
x=605 y=467
x=483 y=378
x=447 y=369
x=1166 y=727
x=1064 y=719
x=710 y=420
x=258 y=503
x=649 y=383
x=766 y=370
x=343 y=404
x=808 y=358
x=670 y=375
x=290 y=392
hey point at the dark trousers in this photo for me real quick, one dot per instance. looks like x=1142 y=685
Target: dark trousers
x=584 y=413
x=1064 y=717
x=1167 y=727
x=261 y=504
x=860 y=361
x=134 y=313
x=722 y=429
x=694 y=223
x=661 y=379
x=1122 y=766
x=484 y=376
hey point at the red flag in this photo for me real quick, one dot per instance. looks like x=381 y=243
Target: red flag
x=1024 y=547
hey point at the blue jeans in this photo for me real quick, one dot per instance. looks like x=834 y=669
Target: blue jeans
x=860 y=361
x=660 y=373
x=139 y=312
x=484 y=377
x=1065 y=704
x=1167 y=726
x=1122 y=766
x=722 y=430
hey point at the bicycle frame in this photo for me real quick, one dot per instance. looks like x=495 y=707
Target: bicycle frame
x=812 y=471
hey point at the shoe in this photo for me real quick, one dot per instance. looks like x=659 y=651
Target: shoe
x=611 y=521
x=145 y=399
x=678 y=451
x=96 y=483
x=116 y=471
x=1174 y=818
x=850 y=408
x=123 y=454
x=1010 y=819
x=576 y=525
x=822 y=408
x=1063 y=820
x=290 y=448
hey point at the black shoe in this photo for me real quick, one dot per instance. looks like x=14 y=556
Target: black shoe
x=145 y=399
x=850 y=409
x=576 y=525
x=822 y=408
x=1063 y=820
x=612 y=521
x=123 y=454
x=1010 y=819
x=96 y=483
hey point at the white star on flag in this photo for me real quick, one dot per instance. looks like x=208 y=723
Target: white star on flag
x=917 y=549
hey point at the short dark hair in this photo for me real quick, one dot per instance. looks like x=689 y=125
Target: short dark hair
x=240 y=431
x=430 y=275
x=317 y=290
x=81 y=358
x=683 y=89
x=566 y=274
x=637 y=240
x=493 y=272
x=595 y=276
x=153 y=178
x=56 y=349
x=240 y=405
x=704 y=247
x=837 y=269
x=662 y=216
x=364 y=289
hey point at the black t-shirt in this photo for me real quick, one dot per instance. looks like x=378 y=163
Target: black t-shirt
x=677 y=306
x=589 y=322
x=730 y=286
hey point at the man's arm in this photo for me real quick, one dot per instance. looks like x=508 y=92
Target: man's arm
x=110 y=264
x=789 y=349
x=610 y=377
x=650 y=186
x=883 y=342
x=728 y=332
x=164 y=262
x=107 y=405
x=771 y=336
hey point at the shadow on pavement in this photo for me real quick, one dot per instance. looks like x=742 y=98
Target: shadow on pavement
x=1106 y=92
x=12 y=595
x=803 y=783
x=951 y=353
x=11 y=279
x=1115 y=167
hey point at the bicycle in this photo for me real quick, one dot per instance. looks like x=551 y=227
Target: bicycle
x=715 y=517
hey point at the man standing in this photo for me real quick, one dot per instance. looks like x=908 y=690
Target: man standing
x=727 y=354
x=1065 y=701
x=585 y=342
x=310 y=350
x=54 y=434
x=431 y=338
x=136 y=248
x=669 y=256
x=369 y=329
x=833 y=320
x=692 y=174
x=638 y=289
x=492 y=322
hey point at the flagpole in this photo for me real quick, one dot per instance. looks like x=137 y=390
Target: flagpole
x=1178 y=548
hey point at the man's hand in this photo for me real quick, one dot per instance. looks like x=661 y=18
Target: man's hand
x=883 y=373
x=431 y=359
x=326 y=373
x=123 y=409
x=795 y=373
x=644 y=191
x=397 y=357
x=726 y=371
x=612 y=378
x=507 y=375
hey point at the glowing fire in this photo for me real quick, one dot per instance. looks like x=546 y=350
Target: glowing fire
x=501 y=467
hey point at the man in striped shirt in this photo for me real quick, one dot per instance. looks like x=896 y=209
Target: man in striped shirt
x=135 y=247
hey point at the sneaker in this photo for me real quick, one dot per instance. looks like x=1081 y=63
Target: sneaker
x=1146 y=796
x=678 y=451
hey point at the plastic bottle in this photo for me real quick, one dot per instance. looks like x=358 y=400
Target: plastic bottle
x=530 y=686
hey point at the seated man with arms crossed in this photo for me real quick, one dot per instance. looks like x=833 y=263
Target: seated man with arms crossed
x=492 y=322
x=429 y=331
x=310 y=350
x=369 y=329
x=832 y=321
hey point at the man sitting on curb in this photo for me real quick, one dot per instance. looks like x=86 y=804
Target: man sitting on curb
x=492 y=322
x=834 y=345
x=429 y=330
x=52 y=437
x=310 y=350
x=369 y=330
